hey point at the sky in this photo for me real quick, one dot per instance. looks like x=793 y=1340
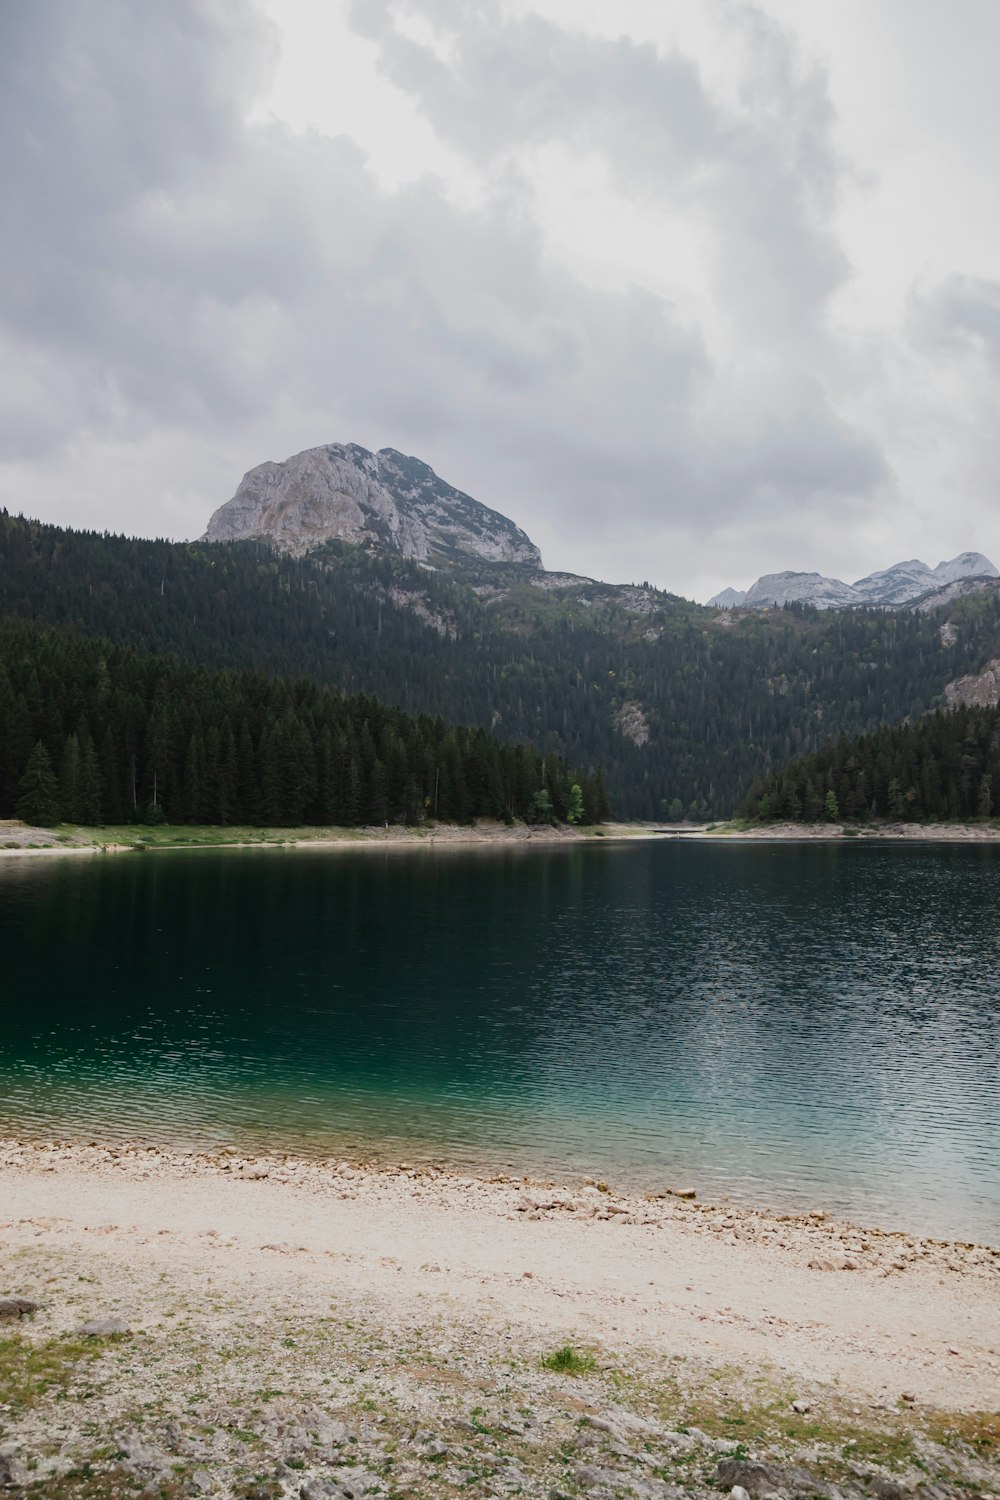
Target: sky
x=692 y=290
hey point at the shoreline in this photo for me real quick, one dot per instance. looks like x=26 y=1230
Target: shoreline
x=18 y=839
x=149 y=1182
x=267 y=1324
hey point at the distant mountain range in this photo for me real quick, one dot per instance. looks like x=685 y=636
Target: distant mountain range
x=893 y=588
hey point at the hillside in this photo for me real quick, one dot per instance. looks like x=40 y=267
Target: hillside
x=93 y=733
x=681 y=705
x=943 y=767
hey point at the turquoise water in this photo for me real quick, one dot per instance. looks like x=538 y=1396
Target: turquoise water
x=788 y=1025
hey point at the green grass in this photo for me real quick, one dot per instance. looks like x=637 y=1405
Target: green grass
x=569 y=1361
x=186 y=836
x=30 y=1371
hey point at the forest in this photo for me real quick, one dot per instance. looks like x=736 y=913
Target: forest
x=681 y=705
x=95 y=733
x=943 y=767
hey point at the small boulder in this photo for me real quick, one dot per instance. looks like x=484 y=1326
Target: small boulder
x=320 y=1489
x=101 y=1328
x=887 y=1489
x=763 y=1478
x=10 y=1470
x=13 y=1308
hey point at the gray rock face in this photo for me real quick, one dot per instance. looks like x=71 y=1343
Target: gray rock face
x=805 y=588
x=981 y=691
x=386 y=500
x=909 y=580
x=728 y=599
x=892 y=588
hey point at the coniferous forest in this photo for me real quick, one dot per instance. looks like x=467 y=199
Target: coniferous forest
x=96 y=733
x=944 y=767
x=681 y=705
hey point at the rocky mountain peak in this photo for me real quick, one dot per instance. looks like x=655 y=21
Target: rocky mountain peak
x=890 y=588
x=387 y=499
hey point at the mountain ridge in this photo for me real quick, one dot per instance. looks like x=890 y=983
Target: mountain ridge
x=895 y=587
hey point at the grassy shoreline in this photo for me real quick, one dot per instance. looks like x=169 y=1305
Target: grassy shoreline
x=21 y=838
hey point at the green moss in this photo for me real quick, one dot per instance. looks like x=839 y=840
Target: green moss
x=29 y=1371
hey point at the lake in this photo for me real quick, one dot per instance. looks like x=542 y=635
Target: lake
x=788 y=1025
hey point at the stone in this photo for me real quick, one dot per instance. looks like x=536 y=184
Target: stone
x=101 y=1328
x=13 y=1308
x=356 y=1482
x=887 y=1489
x=760 y=1479
x=330 y=1433
x=201 y=1482
x=738 y=1493
x=10 y=1470
x=801 y=1406
x=320 y=1489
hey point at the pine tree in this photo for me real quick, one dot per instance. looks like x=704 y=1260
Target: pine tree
x=38 y=802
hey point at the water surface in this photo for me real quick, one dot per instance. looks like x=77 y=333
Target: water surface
x=789 y=1025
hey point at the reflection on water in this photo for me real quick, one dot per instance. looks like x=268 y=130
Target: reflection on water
x=786 y=1024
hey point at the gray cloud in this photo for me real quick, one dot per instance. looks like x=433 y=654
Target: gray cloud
x=960 y=316
x=180 y=285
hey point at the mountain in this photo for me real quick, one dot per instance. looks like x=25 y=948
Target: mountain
x=729 y=599
x=900 y=583
x=681 y=705
x=892 y=588
x=381 y=500
x=799 y=588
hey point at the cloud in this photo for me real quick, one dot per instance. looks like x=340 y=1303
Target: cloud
x=959 y=317
x=186 y=294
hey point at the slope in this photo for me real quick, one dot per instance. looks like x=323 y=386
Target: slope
x=680 y=704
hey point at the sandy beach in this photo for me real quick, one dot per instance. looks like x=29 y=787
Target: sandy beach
x=442 y=1295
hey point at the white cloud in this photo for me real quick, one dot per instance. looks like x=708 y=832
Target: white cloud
x=672 y=289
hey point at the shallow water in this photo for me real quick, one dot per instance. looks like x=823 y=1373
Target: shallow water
x=789 y=1025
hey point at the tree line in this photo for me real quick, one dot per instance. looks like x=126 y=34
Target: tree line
x=95 y=733
x=944 y=767
x=725 y=697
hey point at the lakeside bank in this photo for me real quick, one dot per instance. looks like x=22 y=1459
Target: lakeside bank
x=18 y=838
x=297 y=1322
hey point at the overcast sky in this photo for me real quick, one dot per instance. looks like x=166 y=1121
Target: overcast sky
x=690 y=289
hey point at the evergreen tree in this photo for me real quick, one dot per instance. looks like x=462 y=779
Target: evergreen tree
x=38 y=802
